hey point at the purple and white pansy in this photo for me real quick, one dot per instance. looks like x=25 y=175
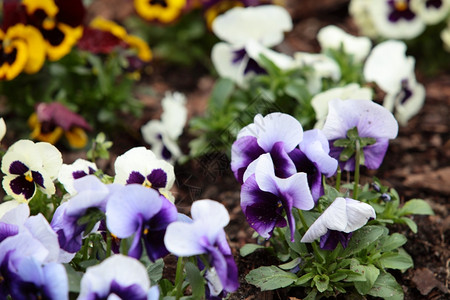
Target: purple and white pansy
x=91 y=195
x=205 y=236
x=337 y=223
x=371 y=120
x=30 y=166
x=117 y=277
x=144 y=213
x=265 y=196
x=280 y=167
x=238 y=26
x=140 y=165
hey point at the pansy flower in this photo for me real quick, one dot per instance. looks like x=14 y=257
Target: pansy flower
x=144 y=213
x=163 y=134
x=333 y=37
x=23 y=272
x=265 y=196
x=69 y=173
x=52 y=120
x=393 y=71
x=312 y=157
x=103 y=35
x=164 y=11
x=59 y=21
x=359 y=119
x=395 y=19
x=266 y=135
x=431 y=11
x=359 y=10
x=140 y=165
x=92 y=196
x=337 y=223
x=205 y=236
x=30 y=166
x=22 y=48
x=264 y=24
x=117 y=277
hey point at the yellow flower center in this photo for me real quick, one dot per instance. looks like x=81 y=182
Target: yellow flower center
x=28 y=176
x=147 y=183
x=48 y=24
x=146 y=231
x=401 y=5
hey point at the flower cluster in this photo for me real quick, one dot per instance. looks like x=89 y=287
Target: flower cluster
x=125 y=224
x=281 y=167
x=283 y=171
x=34 y=30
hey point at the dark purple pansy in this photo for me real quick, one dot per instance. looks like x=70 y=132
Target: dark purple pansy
x=400 y=10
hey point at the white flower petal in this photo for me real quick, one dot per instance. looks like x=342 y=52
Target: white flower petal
x=222 y=56
x=182 y=239
x=281 y=60
x=265 y=24
x=358 y=213
x=333 y=218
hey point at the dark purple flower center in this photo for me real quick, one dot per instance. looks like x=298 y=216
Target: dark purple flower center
x=405 y=92
x=156 y=179
x=81 y=173
x=162 y=3
x=133 y=291
x=24 y=183
x=434 y=3
x=252 y=65
x=330 y=240
x=400 y=9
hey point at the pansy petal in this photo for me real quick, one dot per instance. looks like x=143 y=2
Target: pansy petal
x=213 y=211
x=334 y=218
x=128 y=204
x=41 y=230
x=281 y=60
x=261 y=209
x=358 y=213
x=182 y=238
x=222 y=55
x=244 y=151
x=51 y=158
x=316 y=147
x=265 y=23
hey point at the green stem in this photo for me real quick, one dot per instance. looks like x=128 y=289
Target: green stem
x=313 y=244
x=179 y=278
x=338 y=178
x=108 y=244
x=357 y=165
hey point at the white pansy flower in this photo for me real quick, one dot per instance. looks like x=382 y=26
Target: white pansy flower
x=239 y=26
x=387 y=65
x=333 y=37
x=394 y=19
x=29 y=166
x=162 y=135
x=431 y=11
x=360 y=12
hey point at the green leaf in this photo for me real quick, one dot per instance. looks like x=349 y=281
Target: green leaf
x=290 y=265
x=154 y=270
x=363 y=237
x=387 y=287
x=321 y=282
x=416 y=207
x=393 y=242
x=248 y=249
x=74 y=278
x=270 y=278
x=299 y=248
x=411 y=224
x=370 y=273
x=400 y=261
x=196 y=280
x=221 y=92
x=304 y=279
